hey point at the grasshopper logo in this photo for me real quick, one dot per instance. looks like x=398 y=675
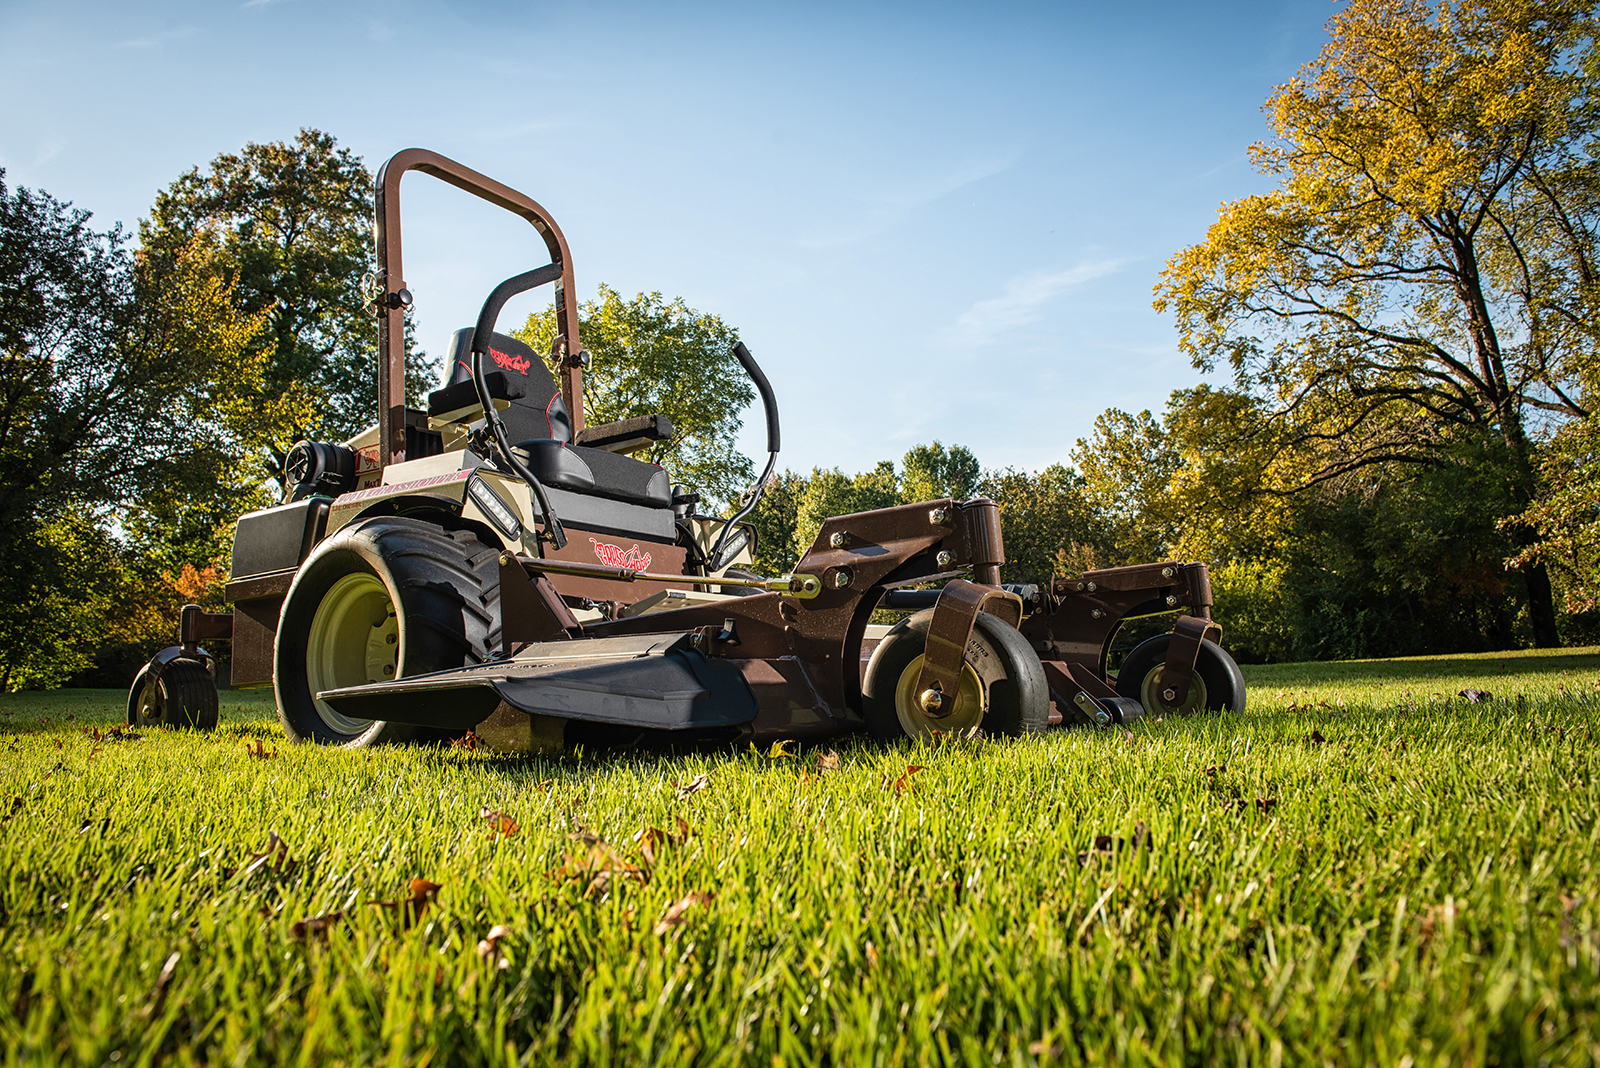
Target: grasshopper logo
x=512 y=363
x=615 y=556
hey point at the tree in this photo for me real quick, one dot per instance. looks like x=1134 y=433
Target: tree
x=1046 y=521
x=292 y=224
x=932 y=471
x=115 y=383
x=650 y=355
x=1129 y=466
x=1424 y=270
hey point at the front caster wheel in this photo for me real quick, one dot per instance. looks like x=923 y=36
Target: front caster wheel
x=1218 y=684
x=380 y=600
x=1003 y=689
x=181 y=694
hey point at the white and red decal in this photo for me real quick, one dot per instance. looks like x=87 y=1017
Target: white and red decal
x=615 y=556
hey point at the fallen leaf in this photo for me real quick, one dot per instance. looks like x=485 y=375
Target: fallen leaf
x=780 y=749
x=829 y=761
x=1266 y=804
x=489 y=946
x=260 y=752
x=674 y=915
x=694 y=785
x=499 y=823
x=1316 y=738
x=410 y=911
x=158 y=994
x=1475 y=697
x=276 y=853
x=468 y=741
x=903 y=783
x=599 y=864
x=1106 y=845
x=316 y=925
x=1216 y=769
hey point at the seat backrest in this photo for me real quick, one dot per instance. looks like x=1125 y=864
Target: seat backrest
x=540 y=412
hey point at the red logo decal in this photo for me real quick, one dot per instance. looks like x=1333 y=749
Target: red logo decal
x=614 y=556
x=510 y=363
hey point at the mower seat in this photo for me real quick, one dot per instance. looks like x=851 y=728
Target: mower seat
x=516 y=374
x=597 y=472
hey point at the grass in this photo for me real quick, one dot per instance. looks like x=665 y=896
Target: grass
x=1361 y=869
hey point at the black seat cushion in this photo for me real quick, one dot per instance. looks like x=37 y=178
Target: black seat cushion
x=597 y=472
x=537 y=410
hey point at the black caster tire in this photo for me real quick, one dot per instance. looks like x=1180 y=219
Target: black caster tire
x=381 y=599
x=183 y=695
x=1218 y=683
x=1003 y=688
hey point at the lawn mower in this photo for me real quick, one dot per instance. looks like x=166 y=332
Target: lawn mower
x=495 y=565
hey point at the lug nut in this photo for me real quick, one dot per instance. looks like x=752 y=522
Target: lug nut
x=1172 y=602
x=842 y=578
x=931 y=700
x=1098 y=613
x=1169 y=695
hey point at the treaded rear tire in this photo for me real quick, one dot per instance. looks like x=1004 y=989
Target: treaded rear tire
x=185 y=695
x=443 y=592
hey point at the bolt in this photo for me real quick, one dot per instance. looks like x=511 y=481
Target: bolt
x=393 y=639
x=839 y=540
x=1169 y=694
x=1098 y=613
x=809 y=585
x=1172 y=602
x=1080 y=587
x=1166 y=572
x=939 y=516
x=1080 y=698
x=1092 y=587
x=944 y=559
x=842 y=578
x=388 y=669
x=931 y=700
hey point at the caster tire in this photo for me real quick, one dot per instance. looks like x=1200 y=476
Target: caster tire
x=379 y=600
x=1218 y=683
x=1003 y=689
x=183 y=695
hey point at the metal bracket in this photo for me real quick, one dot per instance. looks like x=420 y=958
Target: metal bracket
x=1182 y=655
x=959 y=604
x=530 y=608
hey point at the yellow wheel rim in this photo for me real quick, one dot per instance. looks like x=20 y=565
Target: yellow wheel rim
x=354 y=639
x=970 y=705
x=1150 y=695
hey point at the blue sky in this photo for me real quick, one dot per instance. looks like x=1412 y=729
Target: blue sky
x=928 y=221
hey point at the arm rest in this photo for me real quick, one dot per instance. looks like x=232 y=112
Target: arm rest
x=626 y=435
x=462 y=395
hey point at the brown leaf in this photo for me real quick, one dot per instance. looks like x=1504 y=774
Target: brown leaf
x=1265 y=805
x=316 y=925
x=675 y=914
x=1316 y=738
x=16 y=807
x=410 y=911
x=260 y=751
x=468 y=741
x=1215 y=770
x=499 y=822
x=1475 y=697
x=276 y=853
x=489 y=946
x=158 y=994
x=694 y=785
x=599 y=863
x=1107 y=846
x=829 y=761
x=903 y=783
x=650 y=840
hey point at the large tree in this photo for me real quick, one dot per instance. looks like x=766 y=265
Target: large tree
x=292 y=225
x=1423 y=272
x=651 y=355
x=116 y=383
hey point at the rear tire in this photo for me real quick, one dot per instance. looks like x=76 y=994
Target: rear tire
x=1003 y=689
x=380 y=600
x=183 y=695
x=1218 y=683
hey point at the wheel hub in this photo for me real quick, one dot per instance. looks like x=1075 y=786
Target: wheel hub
x=957 y=713
x=354 y=639
x=1150 y=695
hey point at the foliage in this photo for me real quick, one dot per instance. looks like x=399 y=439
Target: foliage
x=831 y=493
x=1128 y=469
x=1423 y=268
x=1046 y=523
x=117 y=384
x=1337 y=876
x=292 y=226
x=775 y=519
x=929 y=472
x=650 y=355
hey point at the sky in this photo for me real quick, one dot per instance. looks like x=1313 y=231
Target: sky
x=927 y=221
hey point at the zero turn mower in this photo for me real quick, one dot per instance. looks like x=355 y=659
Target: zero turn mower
x=495 y=564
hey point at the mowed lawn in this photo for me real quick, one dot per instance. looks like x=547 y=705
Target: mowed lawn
x=1362 y=868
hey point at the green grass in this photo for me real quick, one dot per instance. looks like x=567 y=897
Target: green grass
x=1418 y=886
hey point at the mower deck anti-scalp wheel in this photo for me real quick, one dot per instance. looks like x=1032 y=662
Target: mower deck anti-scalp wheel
x=1217 y=683
x=183 y=694
x=382 y=599
x=1003 y=689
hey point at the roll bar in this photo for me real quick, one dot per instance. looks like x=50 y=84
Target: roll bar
x=393 y=297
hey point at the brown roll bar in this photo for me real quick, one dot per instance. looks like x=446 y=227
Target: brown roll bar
x=391 y=304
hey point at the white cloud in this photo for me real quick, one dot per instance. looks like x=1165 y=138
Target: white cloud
x=1023 y=302
x=890 y=207
x=156 y=40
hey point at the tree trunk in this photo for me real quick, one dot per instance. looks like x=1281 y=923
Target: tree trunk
x=1541 y=606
